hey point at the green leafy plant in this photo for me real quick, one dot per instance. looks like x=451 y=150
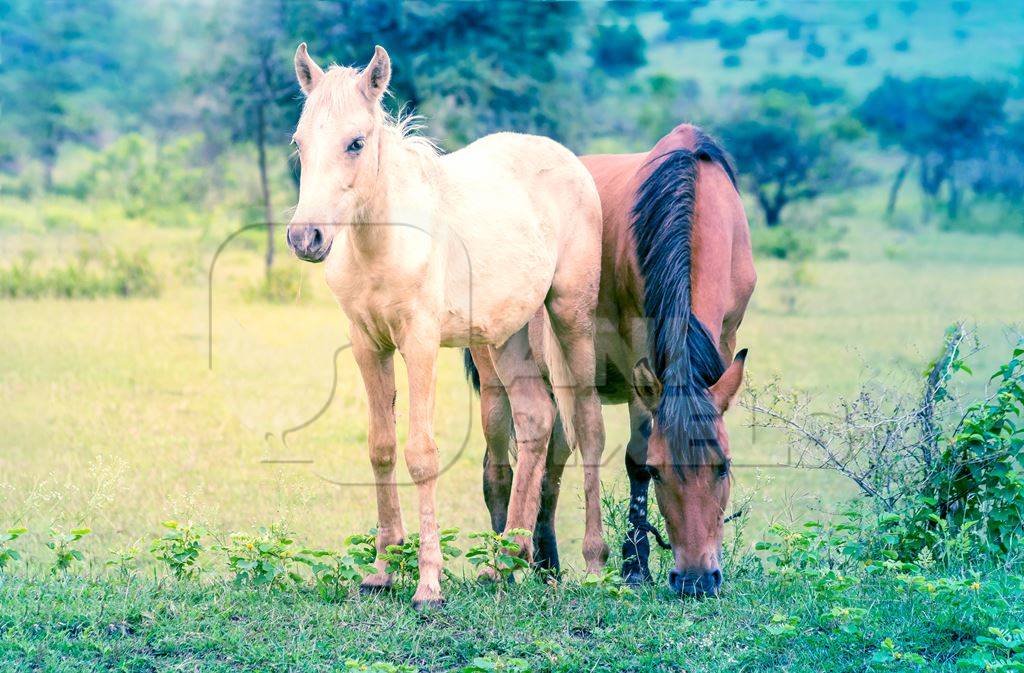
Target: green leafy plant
x=124 y=561
x=403 y=559
x=980 y=478
x=65 y=556
x=497 y=664
x=179 y=549
x=1002 y=651
x=782 y=626
x=888 y=655
x=7 y=554
x=498 y=553
x=335 y=573
x=608 y=582
x=264 y=559
x=353 y=666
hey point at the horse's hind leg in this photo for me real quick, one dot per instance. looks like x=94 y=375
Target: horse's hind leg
x=572 y=317
x=533 y=415
x=544 y=535
x=496 y=417
x=636 y=548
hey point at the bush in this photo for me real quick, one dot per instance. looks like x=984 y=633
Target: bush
x=279 y=286
x=858 y=57
x=179 y=549
x=783 y=243
x=87 y=276
x=945 y=485
x=815 y=49
x=265 y=559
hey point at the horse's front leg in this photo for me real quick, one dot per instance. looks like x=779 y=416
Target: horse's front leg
x=378 y=372
x=636 y=548
x=420 y=355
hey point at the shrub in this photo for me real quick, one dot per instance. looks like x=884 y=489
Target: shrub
x=65 y=556
x=783 y=243
x=858 y=57
x=498 y=553
x=335 y=573
x=6 y=553
x=124 y=561
x=403 y=559
x=179 y=548
x=87 y=275
x=264 y=559
x=944 y=485
x=279 y=286
x=815 y=49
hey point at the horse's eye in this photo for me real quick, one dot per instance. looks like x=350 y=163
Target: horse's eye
x=356 y=146
x=654 y=474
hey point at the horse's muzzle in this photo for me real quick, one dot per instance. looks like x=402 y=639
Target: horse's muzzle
x=308 y=242
x=695 y=584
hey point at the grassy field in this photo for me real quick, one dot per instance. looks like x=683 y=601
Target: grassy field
x=114 y=419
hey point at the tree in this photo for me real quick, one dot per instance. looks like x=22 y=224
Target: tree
x=937 y=123
x=473 y=68
x=61 y=62
x=786 y=152
x=619 y=50
x=252 y=81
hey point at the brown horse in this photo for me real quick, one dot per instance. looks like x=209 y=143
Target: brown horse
x=677 y=273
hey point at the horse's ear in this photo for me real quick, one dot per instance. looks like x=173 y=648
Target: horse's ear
x=724 y=390
x=646 y=384
x=377 y=74
x=307 y=71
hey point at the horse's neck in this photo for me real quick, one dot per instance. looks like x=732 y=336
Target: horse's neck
x=406 y=193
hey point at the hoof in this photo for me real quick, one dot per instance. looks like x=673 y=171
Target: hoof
x=426 y=605
x=373 y=589
x=488 y=576
x=637 y=579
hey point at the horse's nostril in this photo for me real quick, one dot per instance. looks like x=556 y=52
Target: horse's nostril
x=716 y=578
x=318 y=239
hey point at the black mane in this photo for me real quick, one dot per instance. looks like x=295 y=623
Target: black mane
x=683 y=355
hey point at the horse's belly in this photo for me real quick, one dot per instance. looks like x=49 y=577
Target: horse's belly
x=490 y=319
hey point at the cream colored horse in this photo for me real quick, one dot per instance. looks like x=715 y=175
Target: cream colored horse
x=424 y=251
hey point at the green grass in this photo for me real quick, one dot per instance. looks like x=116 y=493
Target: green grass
x=144 y=625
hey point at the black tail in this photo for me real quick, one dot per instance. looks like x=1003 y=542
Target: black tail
x=682 y=352
x=471 y=372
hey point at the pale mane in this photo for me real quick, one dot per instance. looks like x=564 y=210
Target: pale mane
x=404 y=127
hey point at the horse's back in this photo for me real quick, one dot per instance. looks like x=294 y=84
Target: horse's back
x=526 y=201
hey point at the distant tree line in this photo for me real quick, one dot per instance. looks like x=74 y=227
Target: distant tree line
x=221 y=73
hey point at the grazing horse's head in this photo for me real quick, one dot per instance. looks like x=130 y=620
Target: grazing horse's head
x=692 y=484
x=338 y=141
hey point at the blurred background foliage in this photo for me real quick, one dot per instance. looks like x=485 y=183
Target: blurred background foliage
x=179 y=114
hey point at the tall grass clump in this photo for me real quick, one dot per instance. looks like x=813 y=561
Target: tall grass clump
x=87 y=275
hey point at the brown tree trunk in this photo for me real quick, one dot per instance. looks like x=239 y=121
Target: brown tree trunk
x=894 y=191
x=268 y=215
